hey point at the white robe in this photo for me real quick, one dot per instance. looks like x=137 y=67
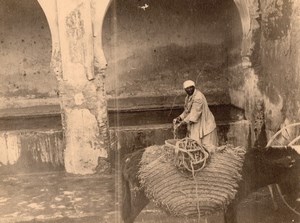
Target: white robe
x=201 y=121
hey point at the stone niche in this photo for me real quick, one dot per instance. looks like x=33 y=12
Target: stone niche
x=151 y=50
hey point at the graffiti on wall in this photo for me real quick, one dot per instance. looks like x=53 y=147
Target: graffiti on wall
x=75 y=31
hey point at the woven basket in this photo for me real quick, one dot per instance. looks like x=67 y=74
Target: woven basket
x=181 y=194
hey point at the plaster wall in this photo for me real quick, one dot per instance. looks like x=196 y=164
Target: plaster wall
x=161 y=45
x=280 y=61
x=151 y=49
x=25 y=52
x=24 y=151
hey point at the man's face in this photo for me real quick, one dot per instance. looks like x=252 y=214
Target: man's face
x=190 y=90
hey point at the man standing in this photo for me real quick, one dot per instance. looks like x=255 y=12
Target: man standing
x=200 y=121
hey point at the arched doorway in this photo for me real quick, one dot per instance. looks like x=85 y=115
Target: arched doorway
x=30 y=116
x=151 y=48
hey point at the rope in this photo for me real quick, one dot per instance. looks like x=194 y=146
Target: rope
x=285 y=202
x=280 y=131
x=198 y=206
x=285 y=128
x=175 y=127
x=191 y=156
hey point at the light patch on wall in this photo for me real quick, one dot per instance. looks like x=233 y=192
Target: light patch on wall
x=273 y=113
x=9 y=149
x=79 y=99
x=81 y=156
x=144 y=7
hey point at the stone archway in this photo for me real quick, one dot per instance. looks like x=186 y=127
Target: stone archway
x=244 y=91
x=82 y=92
x=248 y=12
x=79 y=63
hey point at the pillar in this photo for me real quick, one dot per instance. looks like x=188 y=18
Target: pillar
x=79 y=65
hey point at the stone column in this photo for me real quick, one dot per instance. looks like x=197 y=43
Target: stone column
x=79 y=67
x=244 y=91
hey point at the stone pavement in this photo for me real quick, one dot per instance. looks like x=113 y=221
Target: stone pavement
x=58 y=197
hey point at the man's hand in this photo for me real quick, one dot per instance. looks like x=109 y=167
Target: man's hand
x=183 y=123
x=177 y=120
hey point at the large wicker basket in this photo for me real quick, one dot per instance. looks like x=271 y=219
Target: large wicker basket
x=180 y=193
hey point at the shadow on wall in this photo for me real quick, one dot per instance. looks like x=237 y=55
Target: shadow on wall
x=25 y=51
x=163 y=70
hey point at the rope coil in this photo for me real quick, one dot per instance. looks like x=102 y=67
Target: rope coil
x=189 y=154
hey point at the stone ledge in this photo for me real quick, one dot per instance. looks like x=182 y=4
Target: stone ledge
x=159 y=102
x=35 y=111
x=49 y=116
x=122 y=119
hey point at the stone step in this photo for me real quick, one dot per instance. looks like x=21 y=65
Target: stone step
x=130 y=138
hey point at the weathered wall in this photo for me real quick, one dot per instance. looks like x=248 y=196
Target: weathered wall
x=152 y=50
x=161 y=45
x=128 y=139
x=77 y=70
x=268 y=87
x=280 y=61
x=25 y=51
x=31 y=151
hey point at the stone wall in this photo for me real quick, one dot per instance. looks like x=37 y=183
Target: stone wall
x=280 y=61
x=152 y=50
x=161 y=45
x=31 y=151
x=25 y=53
x=267 y=86
x=248 y=53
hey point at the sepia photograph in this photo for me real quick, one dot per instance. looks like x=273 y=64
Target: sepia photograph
x=149 y=111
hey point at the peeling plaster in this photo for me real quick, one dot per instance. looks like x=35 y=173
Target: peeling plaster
x=31 y=150
x=84 y=145
x=79 y=99
x=276 y=19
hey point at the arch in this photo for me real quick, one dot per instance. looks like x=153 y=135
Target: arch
x=248 y=13
x=49 y=8
x=243 y=10
x=99 y=9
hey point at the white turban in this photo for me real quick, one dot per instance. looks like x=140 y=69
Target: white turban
x=188 y=83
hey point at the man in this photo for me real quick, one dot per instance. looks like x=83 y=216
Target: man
x=200 y=121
